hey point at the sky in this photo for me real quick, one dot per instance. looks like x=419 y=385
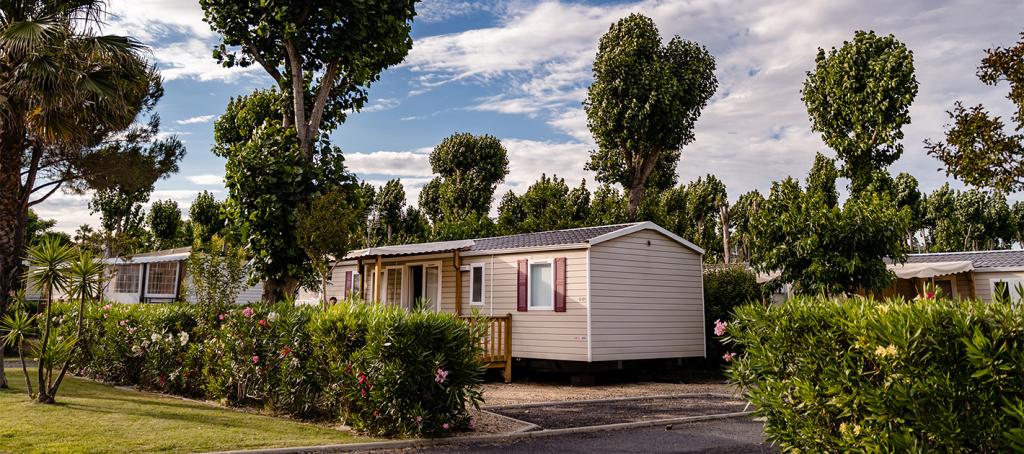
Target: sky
x=519 y=70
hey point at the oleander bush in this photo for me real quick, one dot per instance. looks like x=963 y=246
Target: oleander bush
x=860 y=375
x=380 y=369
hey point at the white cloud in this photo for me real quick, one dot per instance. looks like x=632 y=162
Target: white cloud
x=193 y=59
x=206 y=180
x=398 y=163
x=382 y=104
x=151 y=19
x=538 y=61
x=431 y=11
x=196 y=119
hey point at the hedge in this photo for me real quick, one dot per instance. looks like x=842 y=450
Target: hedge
x=380 y=369
x=861 y=375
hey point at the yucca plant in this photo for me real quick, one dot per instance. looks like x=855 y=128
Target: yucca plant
x=19 y=325
x=49 y=263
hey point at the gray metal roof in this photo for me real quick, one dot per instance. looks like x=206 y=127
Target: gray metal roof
x=551 y=238
x=980 y=259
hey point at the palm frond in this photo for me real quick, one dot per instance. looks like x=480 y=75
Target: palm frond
x=23 y=36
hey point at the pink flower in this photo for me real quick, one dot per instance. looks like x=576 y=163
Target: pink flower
x=262 y=323
x=247 y=312
x=440 y=376
x=472 y=424
x=444 y=426
x=930 y=295
x=255 y=359
x=362 y=378
x=220 y=317
x=720 y=327
x=419 y=419
x=364 y=392
x=108 y=307
x=728 y=356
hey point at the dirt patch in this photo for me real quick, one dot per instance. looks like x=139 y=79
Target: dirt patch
x=493 y=423
x=581 y=414
x=520 y=393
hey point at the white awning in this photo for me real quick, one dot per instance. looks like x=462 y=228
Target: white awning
x=412 y=249
x=768 y=277
x=181 y=256
x=928 y=270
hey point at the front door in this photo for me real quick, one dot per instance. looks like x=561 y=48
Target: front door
x=424 y=286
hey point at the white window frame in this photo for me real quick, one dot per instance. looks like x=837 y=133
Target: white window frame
x=474 y=269
x=138 y=277
x=149 y=271
x=1011 y=283
x=371 y=296
x=954 y=293
x=401 y=284
x=356 y=289
x=529 y=285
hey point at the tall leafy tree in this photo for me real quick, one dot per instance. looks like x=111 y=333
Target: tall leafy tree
x=548 y=204
x=206 y=216
x=66 y=92
x=858 y=98
x=741 y=216
x=978 y=148
x=608 y=206
x=824 y=248
x=967 y=221
x=323 y=54
x=692 y=211
x=122 y=219
x=327 y=228
x=821 y=181
x=469 y=169
x=644 y=103
x=390 y=209
x=165 y=224
x=268 y=177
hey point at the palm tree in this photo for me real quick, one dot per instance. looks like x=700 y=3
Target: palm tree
x=19 y=324
x=63 y=88
x=48 y=263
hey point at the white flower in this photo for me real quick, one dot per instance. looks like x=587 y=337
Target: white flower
x=183 y=338
x=169 y=338
x=272 y=317
x=155 y=337
x=145 y=344
x=136 y=350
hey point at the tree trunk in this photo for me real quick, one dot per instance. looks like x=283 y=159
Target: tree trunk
x=636 y=194
x=724 y=217
x=12 y=222
x=44 y=380
x=3 y=376
x=275 y=290
x=78 y=342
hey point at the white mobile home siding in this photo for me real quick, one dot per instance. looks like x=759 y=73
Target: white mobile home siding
x=647 y=296
x=983 y=282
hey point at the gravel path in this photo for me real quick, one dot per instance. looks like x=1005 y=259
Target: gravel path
x=582 y=414
x=527 y=392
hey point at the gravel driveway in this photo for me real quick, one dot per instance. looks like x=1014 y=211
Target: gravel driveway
x=528 y=392
x=581 y=414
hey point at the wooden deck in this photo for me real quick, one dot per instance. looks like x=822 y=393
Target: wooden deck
x=496 y=341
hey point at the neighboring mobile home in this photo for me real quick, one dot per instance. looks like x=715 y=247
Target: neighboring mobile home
x=157 y=277
x=967 y=275
x=608 y=293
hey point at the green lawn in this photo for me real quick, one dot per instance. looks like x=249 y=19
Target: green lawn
x=91 y=417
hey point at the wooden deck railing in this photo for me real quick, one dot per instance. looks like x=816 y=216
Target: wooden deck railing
x=497 y=343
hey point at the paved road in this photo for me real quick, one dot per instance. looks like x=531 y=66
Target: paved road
x=735 y=435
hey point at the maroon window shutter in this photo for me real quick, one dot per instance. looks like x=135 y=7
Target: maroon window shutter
x=522 y=287
x=348 y=283
x=560 y=284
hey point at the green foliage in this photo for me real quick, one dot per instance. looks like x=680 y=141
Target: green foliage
x=268 y=178
x=859 y=375
x=741 y=217
x=821 y=180
x=858 y=98
x=216 y=269
x=330 y=52
x=469 y=169
x=166 y=225
x=122 y=219
x=967 y=220
x=643 y=104
x=724 y=290
x=206 y=217
x=327 y=228
x=372 y=366
x=548 y=204
x=978 y=148
x=828 y=249
x=692 y=211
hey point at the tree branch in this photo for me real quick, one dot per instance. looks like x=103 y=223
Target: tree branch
x=48 y=194
x=270 y=69
x=298 y=92
x=320 y=103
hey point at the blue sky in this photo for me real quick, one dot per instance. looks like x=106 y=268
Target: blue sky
x=519 y=70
